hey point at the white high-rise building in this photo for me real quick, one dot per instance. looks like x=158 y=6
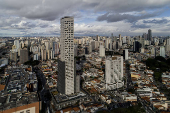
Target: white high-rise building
x=153 y=51
x=16 y=43
x=107 y=43
x=111 y=44
x=114 y=72
x=35 y=57
x=124 y=39
x=43 y=54
x=47 y=45
x=96 y=44
x=92 y=45
x=167 y=46
x=126 y=54
x=168 y=41
x=21 y=44
x=52 y=54
x=66 y=78
x=162 y=51
x=142 y=50
x=101 y=51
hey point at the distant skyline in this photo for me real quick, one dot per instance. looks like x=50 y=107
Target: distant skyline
x=91 y=17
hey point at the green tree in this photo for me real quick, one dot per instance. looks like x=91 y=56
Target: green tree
x=157 y=76
x=160 y=58
x=56 y=72
x=168 y=61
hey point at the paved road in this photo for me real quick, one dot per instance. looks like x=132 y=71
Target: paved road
x=147 y=108
x=45 y=90
x=128 y=77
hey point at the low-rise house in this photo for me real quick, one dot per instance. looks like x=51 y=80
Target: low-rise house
x=105 y=98
x=128 y=96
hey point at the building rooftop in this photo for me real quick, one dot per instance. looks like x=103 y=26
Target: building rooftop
x=18 y=90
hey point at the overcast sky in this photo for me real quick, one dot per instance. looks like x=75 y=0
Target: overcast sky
x=91 y=17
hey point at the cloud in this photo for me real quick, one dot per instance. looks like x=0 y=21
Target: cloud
x=23 y=25
x=54 y=9
x=121 y=6
x=154 y=21
x=115 y=17
x=140 y=26
x=7 y=21
x=42 y=16
x=38 y=9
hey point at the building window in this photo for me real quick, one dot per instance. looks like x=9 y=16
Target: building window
x=22 y=112
x=28 y=111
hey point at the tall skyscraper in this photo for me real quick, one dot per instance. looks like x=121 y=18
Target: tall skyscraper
x=124 y=39
x=162 y=51
x=149 y=35
x=107 y=43
x=13 y=56
x=167 y=46
x=55 y=48
x=144 y=36
x=92 y=45
x=153 y=51
x=120 y=38
x=125 y=54
x=16 y=43
x=101 y=51
x=136 y=46
x=114 y=72
x=112 y=36
x=66 y=74
x=23 y=55
x=47 y=45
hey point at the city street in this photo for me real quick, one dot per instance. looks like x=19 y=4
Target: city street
x=44 y=91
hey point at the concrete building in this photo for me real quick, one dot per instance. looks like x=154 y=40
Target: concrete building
x=144 y=36
x=101 y=51
x=153 y=51
x=75 y=50
x=120 y=38
x=66 y=65
x=168 y=41
x=35 y=49
x=92 y=45
x=162 y=51
x=23 y=55
x=124 y=39
x=97 y=38
x=20 y=94
x=43 y=54
x=167 y=46
x=13 y=56
x=96 y=44
x=114 y=72
x=90 y=48
x=17 y=45
x=136 y=46
x=150 y=35
x=47 y=45
x=21 y=44
x=111 y=45
x=125 y=54
x=107 y=43
x=55 y=48
x=48 y=54
x=36 y=57
x=52 y=54
x=142 y=50
x=86 y=50
x=3 y=61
